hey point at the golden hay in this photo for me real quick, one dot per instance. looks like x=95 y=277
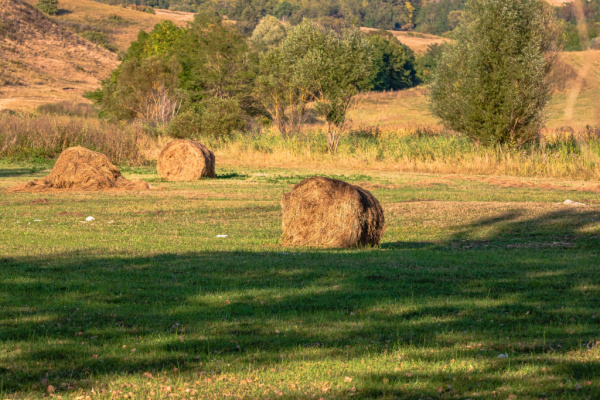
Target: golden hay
x=324 y=212
x=186 y=160
x=78 y=168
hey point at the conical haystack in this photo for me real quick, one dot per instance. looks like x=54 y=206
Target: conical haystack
x=78 y=168
x=324 y=212
x=186 y=160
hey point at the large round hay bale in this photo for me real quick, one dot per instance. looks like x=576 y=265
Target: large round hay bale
x=78 y=168
x=324 y=212
x=186 y=160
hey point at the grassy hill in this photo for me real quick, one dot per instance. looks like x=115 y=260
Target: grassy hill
x=119 y=25
x=42 y=61
x=47 y=60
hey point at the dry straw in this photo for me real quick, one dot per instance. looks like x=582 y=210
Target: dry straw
x=186 y=160
x=78 y=168
x=324 y=212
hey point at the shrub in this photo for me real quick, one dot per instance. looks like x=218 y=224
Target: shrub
x=215 y=119
x=49 y=7
x=493 y=82
x=101 y=39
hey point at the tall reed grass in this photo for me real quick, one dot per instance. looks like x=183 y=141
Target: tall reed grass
x=46 y=136
x=561 y=153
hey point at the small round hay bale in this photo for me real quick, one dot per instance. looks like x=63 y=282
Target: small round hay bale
x=186 y=160
x=324 y=212
x=78 y=168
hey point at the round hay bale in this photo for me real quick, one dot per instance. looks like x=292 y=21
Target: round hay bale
x=78 y=168
x=186 y=160
x=324 y=212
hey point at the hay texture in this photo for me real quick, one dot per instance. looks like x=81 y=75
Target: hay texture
x=324 y=212
x=186 y=160
x=78 y=168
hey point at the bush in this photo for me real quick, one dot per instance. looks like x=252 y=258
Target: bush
x=217 y=119
x=101 y=39
x=49 y=7
x=493 y=82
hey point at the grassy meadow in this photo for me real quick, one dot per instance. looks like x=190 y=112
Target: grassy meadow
x=482 y=288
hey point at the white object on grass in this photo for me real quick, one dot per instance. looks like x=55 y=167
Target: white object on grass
x=505 y=355
x=90 y=219
x=572 y=203
x=37 y=220
x=222 y=236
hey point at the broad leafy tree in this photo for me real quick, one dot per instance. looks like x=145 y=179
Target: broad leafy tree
x=314 y=65
x=493 y=82
x=268 y=33
x=394 y=63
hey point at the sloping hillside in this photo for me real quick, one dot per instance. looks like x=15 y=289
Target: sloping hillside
x=41 y=61
x=118 y=25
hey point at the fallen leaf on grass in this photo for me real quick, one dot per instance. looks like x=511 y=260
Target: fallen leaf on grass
x=347 y=379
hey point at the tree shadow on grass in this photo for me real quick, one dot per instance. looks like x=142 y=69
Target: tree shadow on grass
x=232 y=175
x=13 y=172
x=191 y=308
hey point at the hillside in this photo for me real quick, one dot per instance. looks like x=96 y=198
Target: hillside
x=118 y=25
x=41 y=61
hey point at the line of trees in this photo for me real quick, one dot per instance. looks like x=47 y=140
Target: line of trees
x=491 y=83
x=209 y=80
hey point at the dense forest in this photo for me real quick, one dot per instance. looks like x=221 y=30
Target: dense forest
x=438 y=17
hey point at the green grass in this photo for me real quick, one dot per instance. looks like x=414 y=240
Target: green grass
x=146 y=302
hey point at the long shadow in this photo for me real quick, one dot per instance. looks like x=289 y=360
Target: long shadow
x=7 y=173
x=186 y=309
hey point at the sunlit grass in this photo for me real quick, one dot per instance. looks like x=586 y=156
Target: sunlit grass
x=481 y=289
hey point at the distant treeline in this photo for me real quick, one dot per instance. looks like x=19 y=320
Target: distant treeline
x=421 y=15
x=438 y=17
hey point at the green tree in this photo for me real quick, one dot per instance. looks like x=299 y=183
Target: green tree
x=49 y=7
x=215 y=60
x=426 y=64
x=268 y=33
x=394 y=63
x=147 y=89
x=319 y=65
x=493 y=82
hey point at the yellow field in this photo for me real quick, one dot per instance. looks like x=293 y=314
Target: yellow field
x=418 y=42
x=398 y=110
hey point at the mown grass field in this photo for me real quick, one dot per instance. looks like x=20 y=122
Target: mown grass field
x=482 y=288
